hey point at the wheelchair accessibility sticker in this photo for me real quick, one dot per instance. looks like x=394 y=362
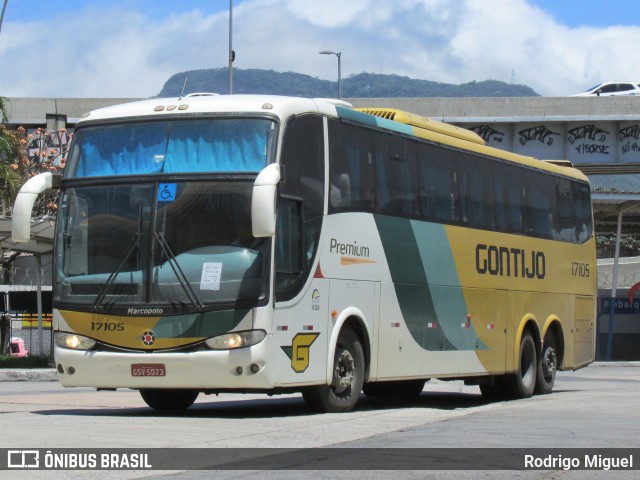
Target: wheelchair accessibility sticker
x=166 y=192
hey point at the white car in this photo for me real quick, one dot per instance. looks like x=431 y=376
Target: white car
x=608 y=89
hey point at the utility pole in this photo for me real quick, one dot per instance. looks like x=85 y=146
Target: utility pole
x=232 y=54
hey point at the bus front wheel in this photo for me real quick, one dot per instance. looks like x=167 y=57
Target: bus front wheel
x=347 y=380
x=169 y=400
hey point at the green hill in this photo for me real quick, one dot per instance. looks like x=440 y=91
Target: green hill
x=362 y=85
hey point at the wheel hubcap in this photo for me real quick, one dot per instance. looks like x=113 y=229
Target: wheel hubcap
x=549 y=363
x=343 y=373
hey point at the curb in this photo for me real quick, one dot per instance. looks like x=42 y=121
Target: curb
x=28 y=375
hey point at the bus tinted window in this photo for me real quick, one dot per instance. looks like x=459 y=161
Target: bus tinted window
x=301 y=203
x=172 y=146
x=373 y=171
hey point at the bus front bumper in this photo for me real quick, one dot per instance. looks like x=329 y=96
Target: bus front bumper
x=241 y=369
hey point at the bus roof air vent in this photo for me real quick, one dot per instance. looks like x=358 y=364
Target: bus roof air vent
x=425 y=123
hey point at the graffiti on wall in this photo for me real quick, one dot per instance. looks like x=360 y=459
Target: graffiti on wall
x=578 y=142
x=538 y=133
x=629 y=139
x=488 y=133
x=591 y=140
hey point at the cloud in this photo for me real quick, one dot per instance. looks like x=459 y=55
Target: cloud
x=118 y=51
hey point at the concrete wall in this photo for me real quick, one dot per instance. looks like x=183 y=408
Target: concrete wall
x=626 y=321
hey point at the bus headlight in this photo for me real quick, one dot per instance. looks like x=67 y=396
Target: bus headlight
x=73 y=341
x=233 y=340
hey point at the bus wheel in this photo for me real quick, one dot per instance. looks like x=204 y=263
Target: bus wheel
x=493 y=390
x=348 y=377
x=547 y=366
x=522 y=384
x=170 y=400
x=399 y=389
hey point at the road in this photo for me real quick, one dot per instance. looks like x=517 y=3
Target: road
x=596 y=407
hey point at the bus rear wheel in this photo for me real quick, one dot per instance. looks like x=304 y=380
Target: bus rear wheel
x=547 y=366
x=523 y=382
x=348 y=377
x=167 y=399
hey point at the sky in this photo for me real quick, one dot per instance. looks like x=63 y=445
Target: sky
x=130 y=48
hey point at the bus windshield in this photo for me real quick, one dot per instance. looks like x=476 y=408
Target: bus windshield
x=180 y=246
x=172 y=146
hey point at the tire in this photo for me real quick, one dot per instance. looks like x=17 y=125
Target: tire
x=399 y=389
x=169 y=400
x=547 y=366
x=523 y=383
x=494 y=390
x=348 y=378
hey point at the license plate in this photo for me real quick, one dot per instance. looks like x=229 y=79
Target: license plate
x=148 y=370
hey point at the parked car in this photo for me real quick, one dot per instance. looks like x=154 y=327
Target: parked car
x=608 y=89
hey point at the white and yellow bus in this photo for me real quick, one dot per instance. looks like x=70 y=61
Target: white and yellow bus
x=211 y=244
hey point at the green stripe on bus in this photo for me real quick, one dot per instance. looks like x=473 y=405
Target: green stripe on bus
x=444 y=285
x=410 y=283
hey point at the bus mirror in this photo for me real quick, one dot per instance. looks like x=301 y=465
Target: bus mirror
x=23 y=206
x=263 y=201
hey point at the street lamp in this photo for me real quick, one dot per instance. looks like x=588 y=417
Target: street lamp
x=4 y=7
x=232 y=54
x=337 y=54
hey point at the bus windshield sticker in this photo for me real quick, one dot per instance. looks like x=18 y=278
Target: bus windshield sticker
x=211 y=273
x=166 y=192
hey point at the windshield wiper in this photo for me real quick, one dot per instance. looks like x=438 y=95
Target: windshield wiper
x=97 y=304
x=175 y=266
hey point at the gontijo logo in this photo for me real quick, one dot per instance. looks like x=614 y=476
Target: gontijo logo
x=299 y=351
x=510 y=262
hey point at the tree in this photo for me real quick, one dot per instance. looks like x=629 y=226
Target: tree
x=11 y=150
x=24 y=155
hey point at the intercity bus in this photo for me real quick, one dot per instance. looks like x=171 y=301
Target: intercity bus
x=211 y=244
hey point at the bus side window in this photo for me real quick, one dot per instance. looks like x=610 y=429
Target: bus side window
x=565 y=226
x=582 y=197
x=288 y=244
x=352 y=170
x=509 y=198
x=400 y=166
x=301 y=203
x=541 y=202
x=438 y=184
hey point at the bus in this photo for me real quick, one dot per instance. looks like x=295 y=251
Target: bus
x=265 y=244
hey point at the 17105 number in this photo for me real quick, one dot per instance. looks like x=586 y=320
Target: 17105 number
x=579 y=269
